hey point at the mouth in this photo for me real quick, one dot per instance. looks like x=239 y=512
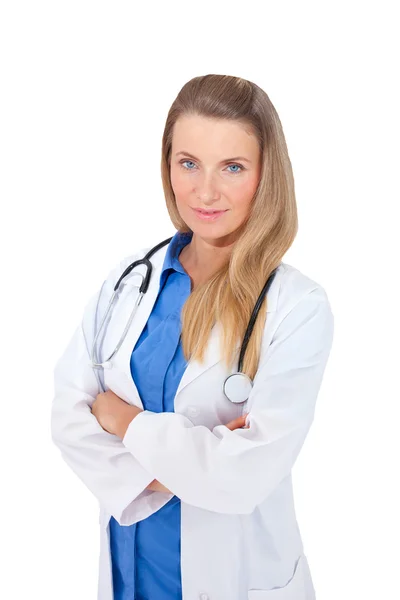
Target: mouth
x=209 y=211
x=209 y=215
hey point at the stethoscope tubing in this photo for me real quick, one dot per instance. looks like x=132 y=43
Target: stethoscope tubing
x=244 y=383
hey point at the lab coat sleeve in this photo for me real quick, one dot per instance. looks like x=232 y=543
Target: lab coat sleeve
x=233 y=471
x=98 y=458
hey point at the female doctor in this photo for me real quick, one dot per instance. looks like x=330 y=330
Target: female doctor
x=192 y=466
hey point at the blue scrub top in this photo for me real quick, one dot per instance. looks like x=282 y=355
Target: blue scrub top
x=146 y=556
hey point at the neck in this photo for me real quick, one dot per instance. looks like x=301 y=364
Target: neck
x=204 y=257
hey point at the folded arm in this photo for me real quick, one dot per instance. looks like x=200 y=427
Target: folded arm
x=233 y=471
x=121 y=484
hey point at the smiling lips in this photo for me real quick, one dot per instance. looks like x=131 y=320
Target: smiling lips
x=209 y=215
x=208 y=212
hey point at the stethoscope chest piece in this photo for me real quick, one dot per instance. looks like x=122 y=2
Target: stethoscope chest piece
x=237 y=387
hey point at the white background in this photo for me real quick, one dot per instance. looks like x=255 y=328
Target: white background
x=85 y=90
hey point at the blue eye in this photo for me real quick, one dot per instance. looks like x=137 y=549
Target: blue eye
x=241 y=168
x=235 y=166
x=187 y=161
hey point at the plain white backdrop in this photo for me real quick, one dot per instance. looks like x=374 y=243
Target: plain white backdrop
x=85 y=90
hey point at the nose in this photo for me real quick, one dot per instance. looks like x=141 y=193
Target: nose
x=206 y=188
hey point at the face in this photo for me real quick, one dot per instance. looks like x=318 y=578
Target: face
x=204 y=175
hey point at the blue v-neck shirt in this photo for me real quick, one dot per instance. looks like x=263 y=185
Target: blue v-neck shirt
x=146 y=556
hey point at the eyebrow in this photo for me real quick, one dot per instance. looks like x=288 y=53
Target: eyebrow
x=222 y=161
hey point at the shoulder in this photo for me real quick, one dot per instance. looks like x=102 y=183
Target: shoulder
x=299 y=295
x=301 y=321
x=294 y=285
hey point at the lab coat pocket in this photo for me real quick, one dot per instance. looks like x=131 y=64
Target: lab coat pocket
x=293 y=590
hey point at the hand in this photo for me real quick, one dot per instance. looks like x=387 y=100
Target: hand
x=156 y=486
x=239 y=422
x=114 y=414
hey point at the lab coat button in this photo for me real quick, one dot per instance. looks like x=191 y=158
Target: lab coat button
x=193 y=411
x=204 y=597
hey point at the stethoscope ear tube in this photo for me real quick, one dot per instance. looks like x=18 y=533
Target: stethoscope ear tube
x=93 y=356
x=107 y=363
x=145 y=278
x=143 y=261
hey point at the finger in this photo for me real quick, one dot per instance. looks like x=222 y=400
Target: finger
x=236 y=423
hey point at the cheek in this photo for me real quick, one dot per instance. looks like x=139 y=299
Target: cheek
x=251 y=185
x=180 y=185
x=243 y=194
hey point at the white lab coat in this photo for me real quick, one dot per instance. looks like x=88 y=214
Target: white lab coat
x=239 y=535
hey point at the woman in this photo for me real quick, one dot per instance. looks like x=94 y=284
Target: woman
x=195 y=491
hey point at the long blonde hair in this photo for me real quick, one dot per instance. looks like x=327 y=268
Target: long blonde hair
x=230 y=294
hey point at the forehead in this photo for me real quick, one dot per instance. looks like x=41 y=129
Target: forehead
x=198 y=134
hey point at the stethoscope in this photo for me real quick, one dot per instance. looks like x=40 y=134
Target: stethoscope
x=237 y=386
